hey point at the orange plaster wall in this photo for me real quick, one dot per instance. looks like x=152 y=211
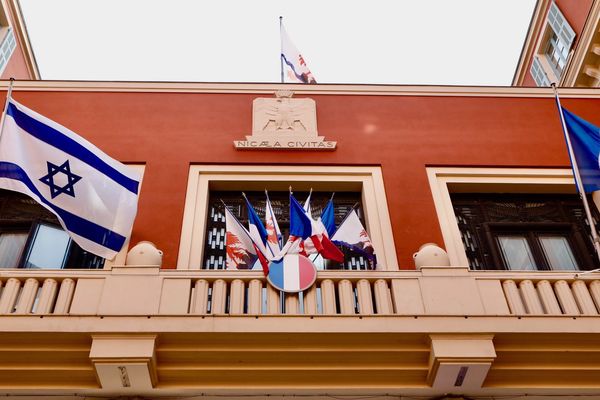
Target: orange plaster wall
x=402 y=134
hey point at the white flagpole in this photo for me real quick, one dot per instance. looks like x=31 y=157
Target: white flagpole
x=281 y=46
x=8 y=97
x=578 y=181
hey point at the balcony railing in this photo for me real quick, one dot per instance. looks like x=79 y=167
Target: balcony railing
x=431 y=291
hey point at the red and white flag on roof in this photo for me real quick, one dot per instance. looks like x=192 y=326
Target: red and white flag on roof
x=294 y=62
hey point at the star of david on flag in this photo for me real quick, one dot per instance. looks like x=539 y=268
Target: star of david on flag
x=93 y=196
x=56 y=189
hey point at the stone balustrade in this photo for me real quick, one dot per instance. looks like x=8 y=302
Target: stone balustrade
x=432 y=291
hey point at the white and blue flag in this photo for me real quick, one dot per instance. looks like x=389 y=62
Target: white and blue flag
x=94 y=196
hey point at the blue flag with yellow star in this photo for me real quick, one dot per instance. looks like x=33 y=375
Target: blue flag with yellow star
x=93 y=196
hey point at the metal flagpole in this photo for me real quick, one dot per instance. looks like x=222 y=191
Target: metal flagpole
x=281 y=45
x=578 y=181
x=8 y=97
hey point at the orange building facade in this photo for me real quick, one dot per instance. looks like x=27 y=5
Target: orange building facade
x=507 y=305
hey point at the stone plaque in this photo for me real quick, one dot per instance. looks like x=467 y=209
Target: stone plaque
x=284 y=123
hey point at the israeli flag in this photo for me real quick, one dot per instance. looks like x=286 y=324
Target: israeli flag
x=93 y=196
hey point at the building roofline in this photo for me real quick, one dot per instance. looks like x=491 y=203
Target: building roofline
x=269 y=88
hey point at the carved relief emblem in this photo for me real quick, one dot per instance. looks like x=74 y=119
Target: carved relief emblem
x=284 y=123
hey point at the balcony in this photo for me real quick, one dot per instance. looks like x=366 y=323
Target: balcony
x=145 y=331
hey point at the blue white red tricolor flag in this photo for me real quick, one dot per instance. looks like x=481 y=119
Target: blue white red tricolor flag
x=585 y=140
x=351 y=234
x=293 y=273
x=257 y=230
x=93 y=196
x=297 y=69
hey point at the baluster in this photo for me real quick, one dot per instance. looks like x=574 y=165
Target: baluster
x=346 y=297
x=219 y=296
x=254 y=297
x=273 y=306
x=65 y=296
x=292 y=303
x=236 y=297
x=28 y=295
x=548 y=298
x=328 y=297
x=513 y=297
x=47 y=296
x=530 y=297
x=9 y=295
x=383 y=299
x=565 y=297
x=365 y=300
x=200 y=300
x=583 y=298
x=595 y=292
x=310 y=301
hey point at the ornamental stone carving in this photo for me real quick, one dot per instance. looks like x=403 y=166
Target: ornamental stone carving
x=284 y=123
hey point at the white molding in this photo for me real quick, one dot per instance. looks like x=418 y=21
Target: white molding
x=298 y=89
x=203 y=178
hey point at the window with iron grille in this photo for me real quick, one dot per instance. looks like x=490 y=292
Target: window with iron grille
x=525 y=232
x=214 y=249
x=31 y=237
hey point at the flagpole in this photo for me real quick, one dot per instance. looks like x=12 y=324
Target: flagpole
x=8 y=97
x=281 y=46
x=578 y=181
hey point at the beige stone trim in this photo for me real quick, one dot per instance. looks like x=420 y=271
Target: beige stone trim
x=122 y=255
x=444 y=180
x=271 y=88
x=23 y=38
x=203 y=178
x=538 y=20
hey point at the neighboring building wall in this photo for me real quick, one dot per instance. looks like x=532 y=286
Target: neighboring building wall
x=575 y=13
x=21 y=64
x=403 y=134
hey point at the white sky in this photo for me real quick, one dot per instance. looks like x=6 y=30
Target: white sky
x=454 y=42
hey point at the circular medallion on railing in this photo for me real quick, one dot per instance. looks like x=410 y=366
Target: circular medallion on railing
x=293 y=273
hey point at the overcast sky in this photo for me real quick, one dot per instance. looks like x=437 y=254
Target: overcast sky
x=454 y=42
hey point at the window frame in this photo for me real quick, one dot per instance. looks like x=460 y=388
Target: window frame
x=443 y=180
x=542 y=69
x=366 y=179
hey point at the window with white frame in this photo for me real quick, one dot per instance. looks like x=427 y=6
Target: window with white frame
x=551 y=57
x=512 y=218
x=351 y=184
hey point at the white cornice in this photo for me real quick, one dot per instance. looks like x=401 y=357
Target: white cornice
x=269 y=88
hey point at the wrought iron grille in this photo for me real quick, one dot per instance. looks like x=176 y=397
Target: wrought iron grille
x=478 y=214
x=214 y=246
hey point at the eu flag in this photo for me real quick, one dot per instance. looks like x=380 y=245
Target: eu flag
x=585 y=140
